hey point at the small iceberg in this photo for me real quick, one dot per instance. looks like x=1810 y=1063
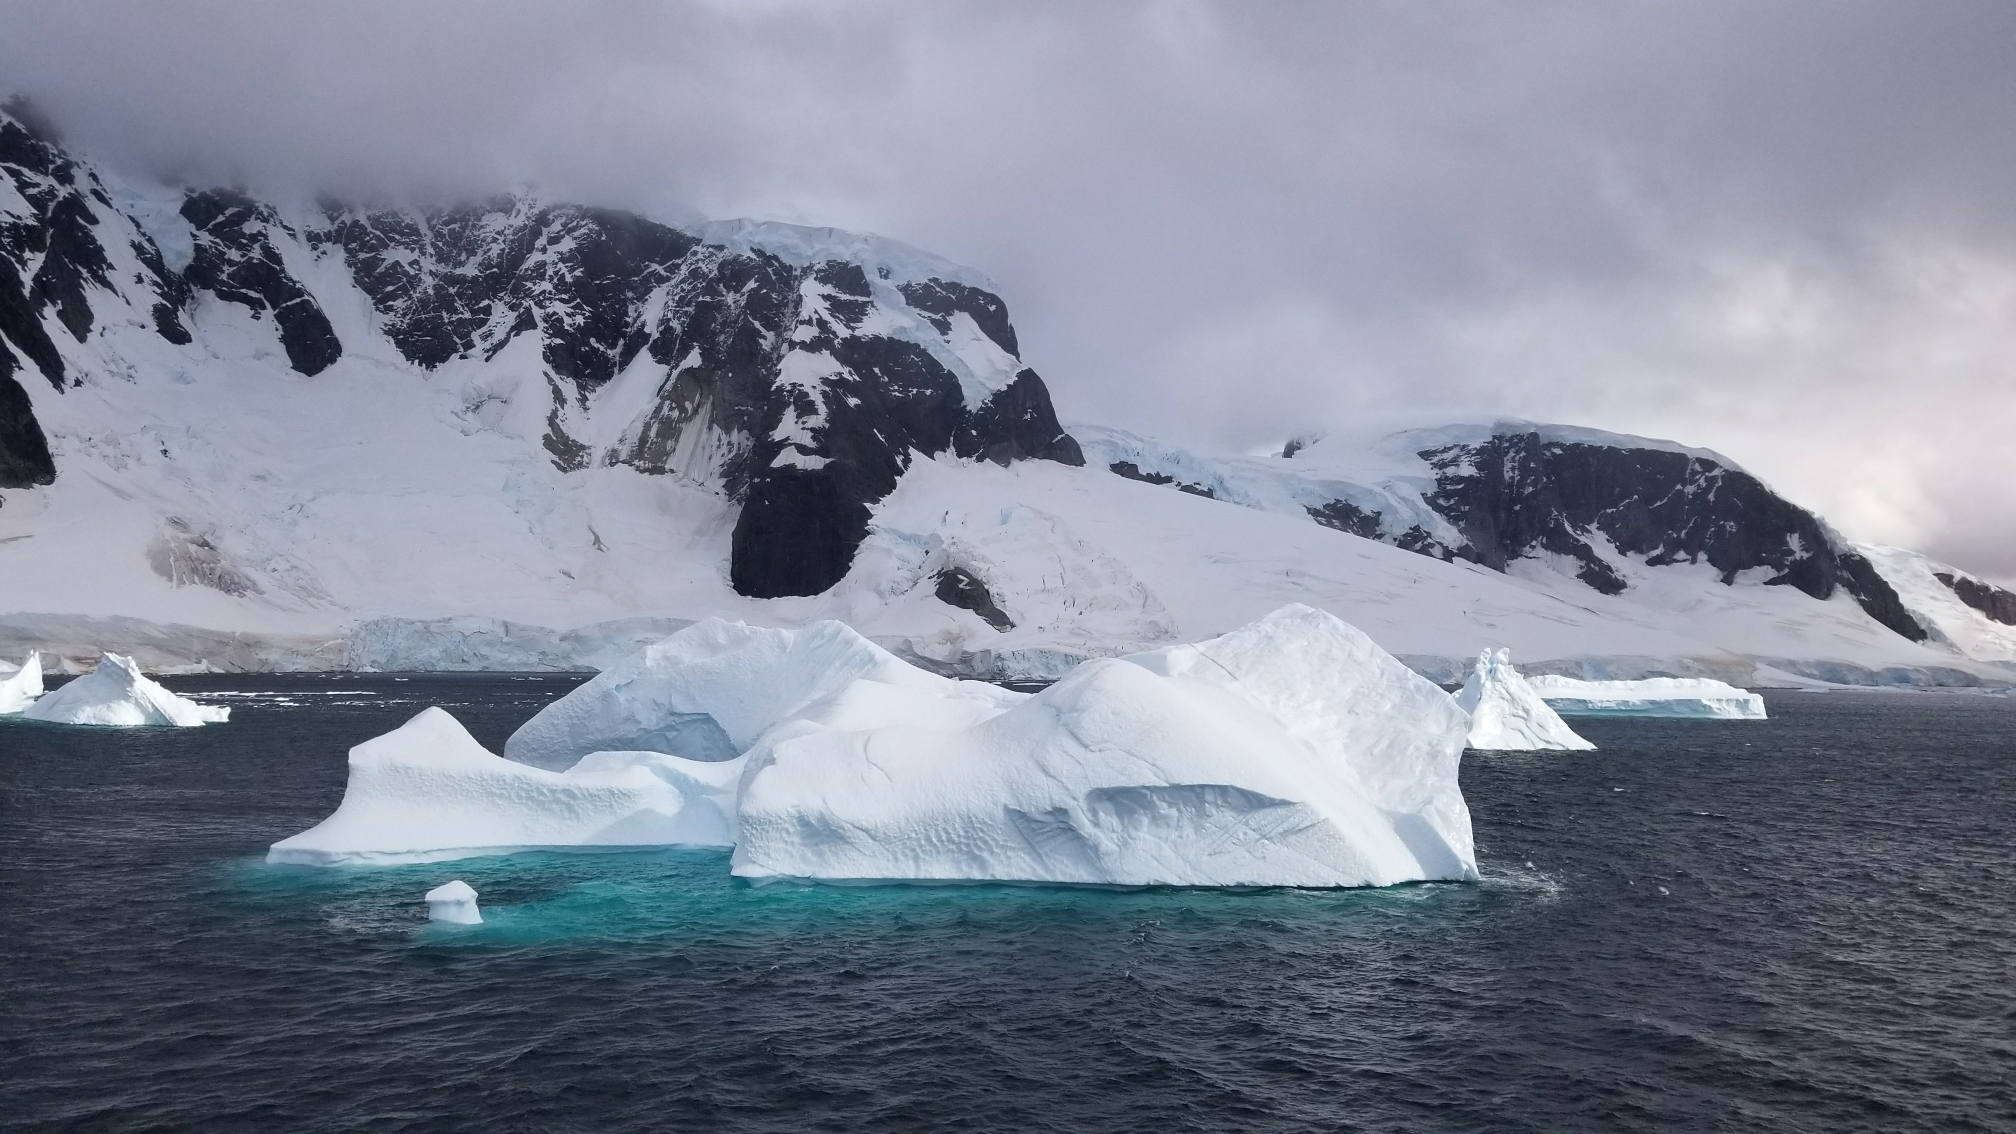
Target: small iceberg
x=119 y=695
x=1695 y=697
x=455 y=903
x=1290 y=752
x=20 y=689
x=1507 y=715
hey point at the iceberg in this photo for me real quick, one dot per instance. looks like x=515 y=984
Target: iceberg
x=19 y=689
x=1290 y=752
x=709 y=691
x=1507 y=715
x=118 y=694
x=428 y=792
x=455 y=903
x=1653 y=697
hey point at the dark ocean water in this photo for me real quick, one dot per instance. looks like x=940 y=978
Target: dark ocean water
x=1805 y=924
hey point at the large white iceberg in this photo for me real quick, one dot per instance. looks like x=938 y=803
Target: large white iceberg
x=117 y=693
x=1652 y=697
x=427 y=791
x=1507 y=715
x=19 y=689
x=1291 y=752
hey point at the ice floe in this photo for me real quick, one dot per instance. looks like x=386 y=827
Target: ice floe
x=455 y=903
x=1651 y=697
x=1506 y=714
x=118 y=694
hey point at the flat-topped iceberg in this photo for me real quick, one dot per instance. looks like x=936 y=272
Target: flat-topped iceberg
x=1507 y=715
x=427 y=791
x=19 y=689
x=1291 y=752
x=119 y=695
x=1652 y=697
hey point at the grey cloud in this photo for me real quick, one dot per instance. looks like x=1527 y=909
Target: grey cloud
x=1778 y=229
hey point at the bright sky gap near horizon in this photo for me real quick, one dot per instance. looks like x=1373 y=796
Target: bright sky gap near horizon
x=1779 y=230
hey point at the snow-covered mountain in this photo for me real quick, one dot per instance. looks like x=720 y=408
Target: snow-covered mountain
x=249 y=433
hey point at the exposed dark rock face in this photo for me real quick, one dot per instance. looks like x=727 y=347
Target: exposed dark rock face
x=757 y=375
x=1517 y=495
x=237 y=261
x=961 y=588
x=939 y=300
x=24 y=451
x=1346 y=516
x=1132 y=471
x=1018 y=424
x=1999 y=605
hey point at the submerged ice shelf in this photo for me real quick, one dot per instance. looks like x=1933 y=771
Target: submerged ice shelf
x=1292 y=751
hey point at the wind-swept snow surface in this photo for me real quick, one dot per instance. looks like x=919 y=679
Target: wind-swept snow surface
x=427 y=791
x=1506 y=714
x=19 y=689
x=118 y=694
x=1651 y=697
x=1291 y=752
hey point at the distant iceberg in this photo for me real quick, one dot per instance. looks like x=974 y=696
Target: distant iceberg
x=1652 y=697
x=19 y=689
x=1291 y=752
x=1507 y=714
x=118 y=694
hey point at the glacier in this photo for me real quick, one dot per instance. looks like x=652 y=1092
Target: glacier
x=1293 y=751
x=19 y=689
x=118 y=694
x=1506 y=714
x=1649 y=697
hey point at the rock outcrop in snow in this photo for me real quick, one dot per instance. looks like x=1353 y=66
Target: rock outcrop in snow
x=1650 y=697
x=117 y=694
x=1507 y=715
x=19 y=689
x=1290 y=752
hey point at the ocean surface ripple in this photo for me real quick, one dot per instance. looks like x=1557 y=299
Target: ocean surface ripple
x=1802 y=924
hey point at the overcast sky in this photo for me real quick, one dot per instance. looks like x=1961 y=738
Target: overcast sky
x=1786 y=231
